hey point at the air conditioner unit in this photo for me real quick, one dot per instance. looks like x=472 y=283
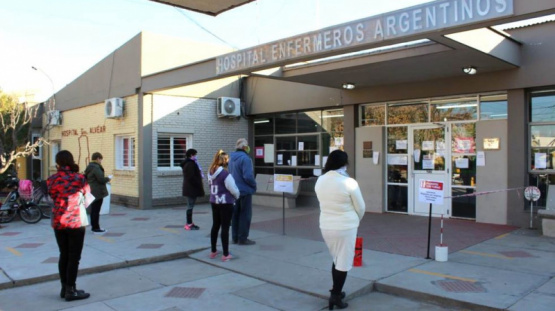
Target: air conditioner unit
x=113 y=107
x=228 y=107
x=54 y=117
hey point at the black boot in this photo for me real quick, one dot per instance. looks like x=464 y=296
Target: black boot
x=342 y=294
x=336 y=300
x=63 y=291
x=75 y=294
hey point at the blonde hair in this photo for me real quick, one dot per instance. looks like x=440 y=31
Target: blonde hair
x=220 y=159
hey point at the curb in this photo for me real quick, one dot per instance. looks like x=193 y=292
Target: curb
x=103 y=268
x=429 y=298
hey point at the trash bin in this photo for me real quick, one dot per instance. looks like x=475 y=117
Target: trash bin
x=105 y=208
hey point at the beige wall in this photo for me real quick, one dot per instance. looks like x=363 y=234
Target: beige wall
x=370 y=176
x=86 y=130
x=492 y=208
x=264 y=95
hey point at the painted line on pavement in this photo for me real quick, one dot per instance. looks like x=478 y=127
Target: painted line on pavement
x=486 y=254
x=442 y=275
x=104 y=239
x=501 y=236
x=170 y=230
x=13 y=251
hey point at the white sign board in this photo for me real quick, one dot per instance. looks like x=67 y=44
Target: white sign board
x=430 y=191
x=283 y=183
x=532 y=193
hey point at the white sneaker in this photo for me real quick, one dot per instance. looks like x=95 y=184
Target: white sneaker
x=99 y=231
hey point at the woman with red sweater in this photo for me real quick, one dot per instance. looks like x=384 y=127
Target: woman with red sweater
x=64 y=188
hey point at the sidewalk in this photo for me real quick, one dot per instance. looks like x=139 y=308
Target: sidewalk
x=512 y=271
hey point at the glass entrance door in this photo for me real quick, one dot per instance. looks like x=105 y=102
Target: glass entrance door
x=429 y=151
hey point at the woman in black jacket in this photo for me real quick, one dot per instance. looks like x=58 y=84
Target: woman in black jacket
x=192 y=185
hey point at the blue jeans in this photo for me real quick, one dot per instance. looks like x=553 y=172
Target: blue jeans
x=241 y=220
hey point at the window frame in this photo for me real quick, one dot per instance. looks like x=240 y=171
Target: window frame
x=172 y=136
x=119 y=162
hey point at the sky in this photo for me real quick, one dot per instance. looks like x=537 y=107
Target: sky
x=64 y=38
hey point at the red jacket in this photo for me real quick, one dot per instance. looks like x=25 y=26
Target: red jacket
x=64 y=188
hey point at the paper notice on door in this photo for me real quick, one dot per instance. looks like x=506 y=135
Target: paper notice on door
x=428 y=162
x=480 y=158
x=401 y=144
x=540 y=160
x=461 y=163
x=317 y=159
x=280 y=159
x=268 y=153
x=428 y=145
x=416 y=155
x=376 y=157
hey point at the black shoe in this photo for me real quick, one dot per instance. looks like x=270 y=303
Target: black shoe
x=74 y=294
x=336 y=301
x=63 y=291
x=234 y=242
x=99 y=231
x=247 y=242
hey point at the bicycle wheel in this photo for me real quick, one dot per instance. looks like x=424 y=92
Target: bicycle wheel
x=7 y=215
x=30 y=213
x=46 y=210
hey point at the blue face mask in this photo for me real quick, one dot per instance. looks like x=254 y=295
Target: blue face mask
x=194 y=158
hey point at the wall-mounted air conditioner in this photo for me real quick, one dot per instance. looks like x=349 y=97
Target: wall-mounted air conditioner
x=54 y=117
x=228 y=107
x=113 y=107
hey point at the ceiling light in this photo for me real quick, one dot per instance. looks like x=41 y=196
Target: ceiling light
x=471 y=70
x=348 y=86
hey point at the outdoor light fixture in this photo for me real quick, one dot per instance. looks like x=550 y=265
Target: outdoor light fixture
x=348 y=86
x=470 y=70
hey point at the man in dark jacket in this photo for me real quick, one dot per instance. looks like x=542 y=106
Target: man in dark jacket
x=192 y=185
x=97 y=181
x=241 y=168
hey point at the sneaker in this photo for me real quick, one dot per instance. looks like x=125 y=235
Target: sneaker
x=213 y=255
x=247 y=242
x=191 y=227
x=99 y=231
x=227 y=258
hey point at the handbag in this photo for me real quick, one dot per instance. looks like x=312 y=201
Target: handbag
x=83 y=210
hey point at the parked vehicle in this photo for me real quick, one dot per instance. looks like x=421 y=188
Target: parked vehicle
x=14 y=204
x=41 y=198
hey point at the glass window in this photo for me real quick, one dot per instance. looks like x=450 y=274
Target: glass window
x=542 y=131
x=542 y=108
x=493 y=107
x=55 y=147
x=407 y=113
x=543 y=182
x=332 y=124
x=286 y=123
x=260 y=142
x=309 y=122
x=171 y=149
x=463 y=138
x=372 y=115
x=542 y=146
x=125 y=152
x=454 y=109
x=264 y=125
x=37 y=154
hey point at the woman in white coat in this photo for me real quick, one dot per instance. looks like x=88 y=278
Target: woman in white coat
x=341 y=210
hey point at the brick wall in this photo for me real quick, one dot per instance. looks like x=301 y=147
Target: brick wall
x=194 y=116
x=86 y=130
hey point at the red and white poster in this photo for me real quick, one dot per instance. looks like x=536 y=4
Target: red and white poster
x=431 y=191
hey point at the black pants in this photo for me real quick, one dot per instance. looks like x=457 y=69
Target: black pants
x=221 y=217
x=70 y=244
x=95 y=213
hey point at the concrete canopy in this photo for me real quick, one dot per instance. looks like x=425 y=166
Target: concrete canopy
x=210 y=7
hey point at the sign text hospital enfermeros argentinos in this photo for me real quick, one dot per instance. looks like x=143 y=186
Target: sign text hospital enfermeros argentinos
x=414 y=20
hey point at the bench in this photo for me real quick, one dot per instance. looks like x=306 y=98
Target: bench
x=266 y=196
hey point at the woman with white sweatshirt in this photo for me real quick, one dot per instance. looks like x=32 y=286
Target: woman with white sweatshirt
x=223 y=193
x=341 y=210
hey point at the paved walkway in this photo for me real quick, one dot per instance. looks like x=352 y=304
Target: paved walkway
x=163 y=267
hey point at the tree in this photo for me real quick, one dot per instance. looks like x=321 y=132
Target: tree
x=15 y=131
